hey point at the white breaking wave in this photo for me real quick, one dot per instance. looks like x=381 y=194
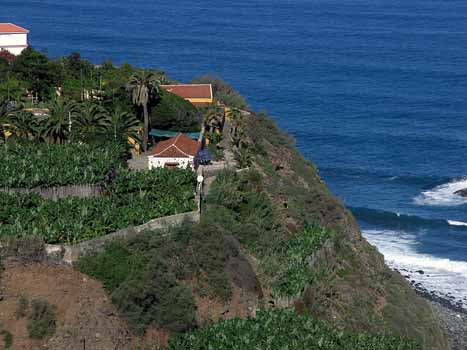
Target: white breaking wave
x=443 y=195
x=457 y=223
x=443 y=276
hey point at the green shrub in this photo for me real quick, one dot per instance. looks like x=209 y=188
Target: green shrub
x=146 y=275
x=23 y=306
x=155 y=296
x=282 y=330
x=175 y=113
x=113 y=266
x=295 y=254
x=239 y=205
x=42 y=319
x=7 y=339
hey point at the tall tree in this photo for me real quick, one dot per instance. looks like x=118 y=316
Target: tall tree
x=90 y=120
x=34 y=69
x=144 y=88
x=23 y=124
x=58 y=125
x=123 y=125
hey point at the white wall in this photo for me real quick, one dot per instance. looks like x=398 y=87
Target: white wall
x=155 y=162
x=15 y=43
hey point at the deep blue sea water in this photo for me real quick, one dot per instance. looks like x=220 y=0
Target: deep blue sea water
x=374 y=92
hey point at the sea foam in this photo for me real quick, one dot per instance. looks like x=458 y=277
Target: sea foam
x=456 y=223
x=445 y=277
x=443 y=195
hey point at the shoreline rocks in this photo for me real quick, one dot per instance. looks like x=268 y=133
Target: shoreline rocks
x=462 y=193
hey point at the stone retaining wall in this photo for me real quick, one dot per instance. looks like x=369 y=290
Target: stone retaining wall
x=59 y=192
x=71 y=253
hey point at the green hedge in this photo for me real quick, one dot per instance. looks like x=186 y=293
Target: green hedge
x=30 y=165
x=283 y=330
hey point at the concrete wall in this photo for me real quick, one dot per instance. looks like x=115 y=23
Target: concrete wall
x=160 y=162
x=15 y=43
x=71 y=253
x=54 y=193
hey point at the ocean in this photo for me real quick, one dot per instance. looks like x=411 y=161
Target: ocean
x=373 y=91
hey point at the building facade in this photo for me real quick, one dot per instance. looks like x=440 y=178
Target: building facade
x=13 y=38
x=177 y=152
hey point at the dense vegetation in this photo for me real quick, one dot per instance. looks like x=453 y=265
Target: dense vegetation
x=281 y=330
x=133 y=198
x=31 y=164
x=236 y=210
x=351 y=286
x=175 y=113
x=147 y=276
x=240 y=205
x=71 y=99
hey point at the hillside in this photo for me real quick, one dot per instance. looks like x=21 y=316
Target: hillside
x=354 y=289
x=269 y=244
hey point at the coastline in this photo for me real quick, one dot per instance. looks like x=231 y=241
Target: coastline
x=452 y=318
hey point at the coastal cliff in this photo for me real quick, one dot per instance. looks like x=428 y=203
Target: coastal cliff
x=354 y=289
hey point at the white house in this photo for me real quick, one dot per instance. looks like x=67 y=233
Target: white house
x=177 y=152
x=13 y=38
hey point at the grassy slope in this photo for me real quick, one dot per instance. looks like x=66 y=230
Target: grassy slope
x=355 y=289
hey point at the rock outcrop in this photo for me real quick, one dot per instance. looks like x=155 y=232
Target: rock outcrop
x=462 y=193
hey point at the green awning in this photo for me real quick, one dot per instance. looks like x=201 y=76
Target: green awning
x=168 y=133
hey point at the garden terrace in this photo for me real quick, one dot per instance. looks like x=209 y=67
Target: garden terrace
x=29 y=165
x=133 y=198
x=283 y=329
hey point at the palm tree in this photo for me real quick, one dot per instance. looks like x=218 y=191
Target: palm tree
x=214 y=118
x=144 y=87
x=90 y=119
x=24 y=125
x=58 y=124
x=122 y=124
x=236 y=131
x=6 y=109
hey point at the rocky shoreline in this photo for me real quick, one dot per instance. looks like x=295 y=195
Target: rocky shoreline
x=452 y=316
x=453 y=322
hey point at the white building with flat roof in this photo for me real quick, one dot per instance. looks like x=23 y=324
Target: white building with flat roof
x=13 y=38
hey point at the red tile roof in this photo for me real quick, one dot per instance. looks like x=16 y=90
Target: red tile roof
x=179 y=146
x=190 y=90
x=12 y=28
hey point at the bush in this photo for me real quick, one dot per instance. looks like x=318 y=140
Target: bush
x=248 y=213
x=146 y=275
x=295 y=254
x=7 y=339
x=281 y=330
x=42 y=319
x=155 y=296
x=175 y=113
x=113 y=266
x=23 y=306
